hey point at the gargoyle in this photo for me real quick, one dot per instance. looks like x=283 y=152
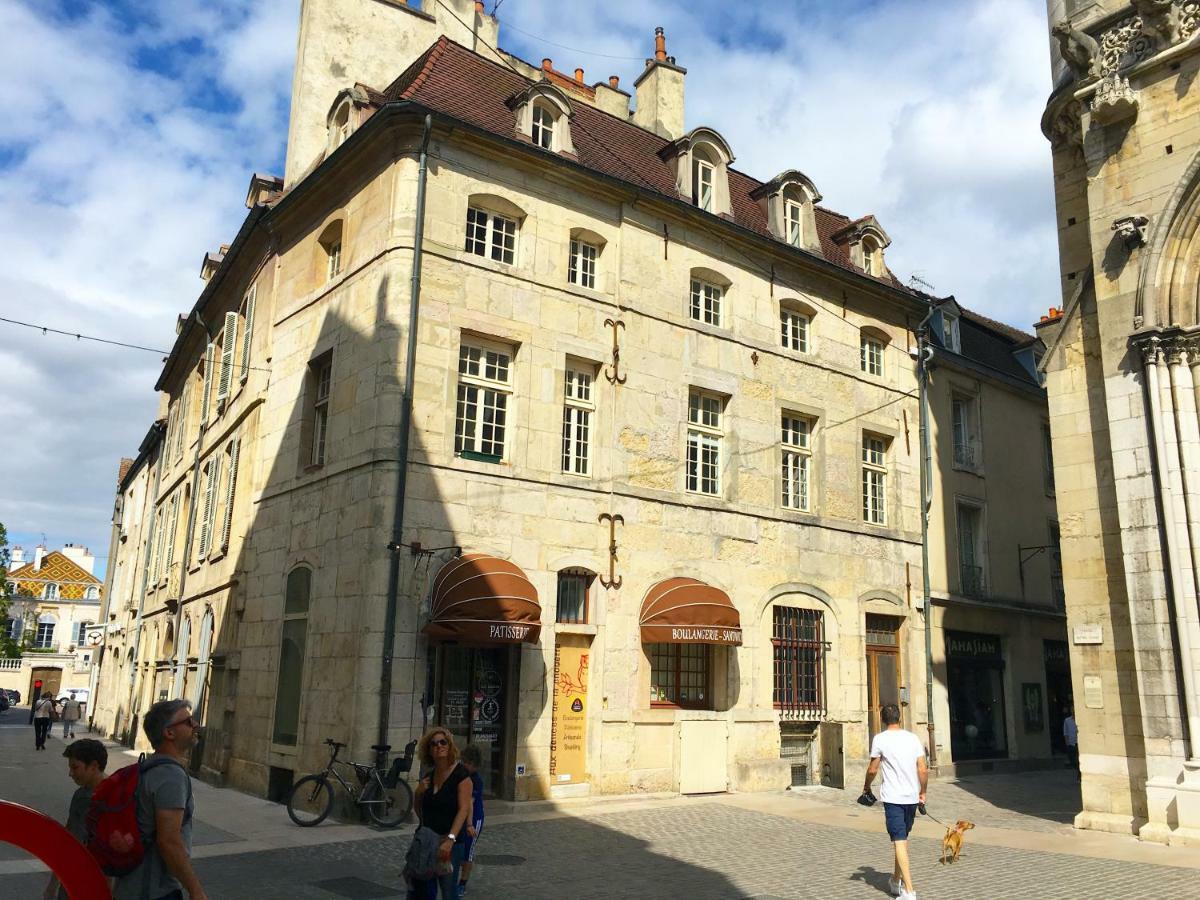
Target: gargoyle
x=1160 y=19
x=1078 y=49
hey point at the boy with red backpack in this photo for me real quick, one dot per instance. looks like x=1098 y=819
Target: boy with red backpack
x=140 y=819
x=86 y=760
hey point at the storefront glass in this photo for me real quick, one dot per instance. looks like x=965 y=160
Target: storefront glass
x=975 y=684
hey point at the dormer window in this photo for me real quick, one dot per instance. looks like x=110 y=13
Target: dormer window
x=870 y=256
x=339 y=128
x=543 y=115
x=543 y=127
x=793 y=222
x=701 y=160
x=702 y=182
x=953 y=333
x=789 y=200
x=343 y=116
x=866 y=241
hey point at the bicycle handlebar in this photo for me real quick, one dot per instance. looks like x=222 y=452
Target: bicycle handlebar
x=335 y=744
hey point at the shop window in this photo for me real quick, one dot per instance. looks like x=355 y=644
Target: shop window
x=484 y=391
x=681 y=675
x=975 y=686
x=798 y=642
x=874 y=479
x=578 y=406
x=796 y=450
x=291 y=657
x=574 y=588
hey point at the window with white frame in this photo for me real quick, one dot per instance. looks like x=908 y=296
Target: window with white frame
x=970 y=549
x=793 y=214
x=581 y=269
x=797 y=460
x=543 y=127
x=871 y=354
x=492 y=235
x=91 y=593
x=578 y=405
x=335 y=260
x=339 y=128
x=232 y=451
x=212 y=481
x=706 y=302
x=951 y=332
x=870 y=255
x=321 y=372
x=330 y=243
x=247 y=317
x=50 y=591
x=44 y=639
x=874 y=479
x=81 y=632
x=965 y=420
x=793 y=329
x=702 y=182
x=484 y=389
x=705 y=414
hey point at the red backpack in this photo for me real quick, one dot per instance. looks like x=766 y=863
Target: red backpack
x=114 y=839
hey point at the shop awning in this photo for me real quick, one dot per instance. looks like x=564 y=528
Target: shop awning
x=480 y=599
x=687 y=611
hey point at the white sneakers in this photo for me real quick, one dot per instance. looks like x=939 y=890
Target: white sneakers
x=907 y=895
x=896 y=889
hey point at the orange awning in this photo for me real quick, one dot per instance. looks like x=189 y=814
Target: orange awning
x=480 y=599
x=687 y=611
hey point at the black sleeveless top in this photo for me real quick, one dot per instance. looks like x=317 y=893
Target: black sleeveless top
x=438 y=808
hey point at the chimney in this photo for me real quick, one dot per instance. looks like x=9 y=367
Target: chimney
x=16 y=558
x=614 y=82
x=659 y=92
x=39 y=553
x=579 y=76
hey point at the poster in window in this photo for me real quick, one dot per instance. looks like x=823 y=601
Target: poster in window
x=568 y=728
x=1031 y=703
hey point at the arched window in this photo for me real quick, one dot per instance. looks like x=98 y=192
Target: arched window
x=181 y=656
x=339 y=126
x=574 y=595
x=493 y=227
x=707 y=297
x=543 y=114
x=50 y=591
x=701 y=159
x=330 y=250
x=91 y=593
x=203 y=658
x=872 y=256
x=703 y=179
x=795 y=325
x=789 y=200
x=291 y=656
x=543 y=127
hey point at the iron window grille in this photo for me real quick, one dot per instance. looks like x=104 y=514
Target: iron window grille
x=573 y=589
x=798 y=639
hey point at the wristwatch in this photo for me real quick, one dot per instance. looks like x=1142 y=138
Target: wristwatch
x=451 y=836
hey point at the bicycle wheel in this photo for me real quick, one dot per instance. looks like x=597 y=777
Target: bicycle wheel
x=387 y=806
x=310 y=801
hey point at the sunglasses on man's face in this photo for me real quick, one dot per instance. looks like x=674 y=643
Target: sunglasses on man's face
x=189 y=721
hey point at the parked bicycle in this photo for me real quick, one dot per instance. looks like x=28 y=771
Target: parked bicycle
x=383 y=792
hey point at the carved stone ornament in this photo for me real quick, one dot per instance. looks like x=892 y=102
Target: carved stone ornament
x=1131 y=230
x=1078 y=49
x=1189 y=18
x=1065 y=127
x=1160 y=20
x=1114 y=101
x=1123 y=45
x=1150 y=349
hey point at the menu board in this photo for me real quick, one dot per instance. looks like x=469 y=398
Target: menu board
x=454 y=710
x=568 y=729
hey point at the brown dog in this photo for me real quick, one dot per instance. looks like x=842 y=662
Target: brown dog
x=952 y=842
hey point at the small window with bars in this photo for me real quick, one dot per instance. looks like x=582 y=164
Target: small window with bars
x=681 y=675
x=481 y=411
x=490 y=234
x=578 y=406
x=874 y=479
x=798 y=642
x=796 y=452
x=574 y=585
x=703 y=470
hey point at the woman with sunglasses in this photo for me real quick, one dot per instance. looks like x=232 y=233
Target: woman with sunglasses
x=443 y=804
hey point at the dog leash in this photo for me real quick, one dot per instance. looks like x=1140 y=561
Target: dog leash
x=929 y=815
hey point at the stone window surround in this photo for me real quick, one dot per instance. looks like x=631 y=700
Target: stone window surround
x=970 y=459
x=787 y=188
x=884 y=502
x=981 y=555
x=797 y=306
x=869 y=333
x=543 y=95
x=714 y=279
x=683 y=153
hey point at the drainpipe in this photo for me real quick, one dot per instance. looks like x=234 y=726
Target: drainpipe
x=924 y=357
x=406 y=404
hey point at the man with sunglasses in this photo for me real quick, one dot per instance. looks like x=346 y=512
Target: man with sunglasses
x=165 y=808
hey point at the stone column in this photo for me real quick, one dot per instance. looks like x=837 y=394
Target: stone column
x=1182 y=355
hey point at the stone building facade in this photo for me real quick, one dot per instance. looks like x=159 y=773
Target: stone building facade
x=659 y=486
x=1124 y=126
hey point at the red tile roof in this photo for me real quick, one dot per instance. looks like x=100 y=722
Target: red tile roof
x=451 y=79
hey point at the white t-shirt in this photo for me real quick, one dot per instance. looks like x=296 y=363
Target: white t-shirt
x=42 y=708
x=900 y=751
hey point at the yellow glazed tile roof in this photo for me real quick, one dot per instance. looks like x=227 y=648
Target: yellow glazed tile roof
x=72 y=580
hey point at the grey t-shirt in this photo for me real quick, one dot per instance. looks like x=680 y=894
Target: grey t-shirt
x=77 y=822
x=165 y=786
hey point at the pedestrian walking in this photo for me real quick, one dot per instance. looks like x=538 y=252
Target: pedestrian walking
x=1071 y=737
x=443 y=804
x=901 y=756
x=464 y=850
x=164 y=809
x=43 y=714
x=86 y=761
x=71 y=713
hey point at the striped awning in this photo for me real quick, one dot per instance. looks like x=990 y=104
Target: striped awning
x=480 y=599
x=687 y=611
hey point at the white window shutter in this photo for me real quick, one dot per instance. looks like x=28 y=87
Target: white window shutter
x=206 y=394
x=172 y=521
x=248 y=332
x=228 y=345
x=210 y=498
x=230 y=488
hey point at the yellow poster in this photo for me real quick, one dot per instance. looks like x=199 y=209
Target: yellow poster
x=568 y=729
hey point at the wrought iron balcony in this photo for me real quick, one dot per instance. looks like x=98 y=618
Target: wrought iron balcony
x=964 y=455
x=972 y=581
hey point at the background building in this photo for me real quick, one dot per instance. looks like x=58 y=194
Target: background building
x=1120 y=365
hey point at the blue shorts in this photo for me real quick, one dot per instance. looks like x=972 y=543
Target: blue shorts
x=467 y=844
x=899 y=818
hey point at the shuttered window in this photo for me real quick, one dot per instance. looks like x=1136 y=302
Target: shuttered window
x=247 y=330
x=206 y=394
x=228 y=346
x=232 y=450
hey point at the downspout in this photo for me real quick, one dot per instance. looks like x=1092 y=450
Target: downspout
x=406 y=404
x=924 y=356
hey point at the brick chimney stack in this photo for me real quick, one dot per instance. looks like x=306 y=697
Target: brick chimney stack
x=659 y=92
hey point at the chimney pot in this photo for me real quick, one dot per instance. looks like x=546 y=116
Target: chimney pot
x=613 y=81
x=479 y=6
x=660 y=44
x=579 y=75
x=547 y=63
x=1053 y=312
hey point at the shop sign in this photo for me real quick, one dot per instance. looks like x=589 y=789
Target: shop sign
x=965 y=645
x=1088 y=634
x=568 y=727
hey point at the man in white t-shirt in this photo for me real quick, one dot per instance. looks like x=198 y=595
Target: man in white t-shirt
x=901 y=755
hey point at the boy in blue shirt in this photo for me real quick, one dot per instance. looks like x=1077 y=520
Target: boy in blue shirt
x=464 y=850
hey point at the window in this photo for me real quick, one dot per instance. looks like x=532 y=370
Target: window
x=870 y=254
x=706 y=302
x=871 y=355
x=91 y=593
x=970 y=549
x=793 y=214
x=330 y=244
x=339 y=128
x=50 y=592
x=702 y=183
x=169 y=532
x=577 y=420
x=704 y=443
x=1047 y=460
x=81 y=633
x=291 y=657
x=543 y=128
x=13 y=628
x=185 y=410
x=481 y=413
x=335 y=260
x=581 y=269
x=952 y=332
x=489 y=234
x=212 y=481
x=874 y=479
x=232 y=451
x=228 y=342
x=247 y=315
x=966 y=432
x=793 y=330
x=680 y=675
x=181 y=656
x=798 y=639
x=574 y=585
x=1057 y=593
x=44 y=639
x=797 y=454
x=322 y=375
x=210 y=355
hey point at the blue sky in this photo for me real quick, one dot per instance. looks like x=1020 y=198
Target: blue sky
x=133 y=128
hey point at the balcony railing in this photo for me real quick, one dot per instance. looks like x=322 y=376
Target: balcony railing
x=964 y=455
x=10 y=665
x=972 y=580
